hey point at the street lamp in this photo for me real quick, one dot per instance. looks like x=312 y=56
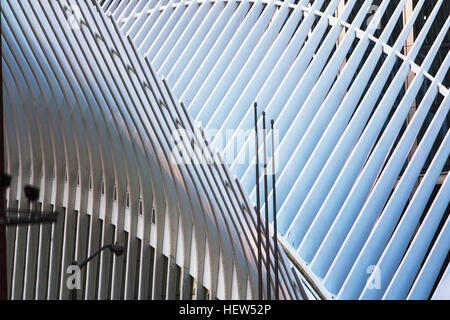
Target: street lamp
x=117 y=249
x=32 y=215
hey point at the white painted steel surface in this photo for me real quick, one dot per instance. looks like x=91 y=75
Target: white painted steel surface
x=89 y=121
x=336 y=90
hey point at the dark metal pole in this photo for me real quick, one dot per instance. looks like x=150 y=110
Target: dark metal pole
x=258 y=216
x=73 y=291
x=92 y=256
x=117 y=249
x=3 y=264
x=267 y=233
x=275 y=232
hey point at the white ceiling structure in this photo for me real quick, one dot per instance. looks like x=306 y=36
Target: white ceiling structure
x=89 y=121
x=351 y=191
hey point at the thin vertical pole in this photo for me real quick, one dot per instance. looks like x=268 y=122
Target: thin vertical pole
x=73 y=291
x=266 y=209
x=3 y=263
x=275 y=231
x=258 y=216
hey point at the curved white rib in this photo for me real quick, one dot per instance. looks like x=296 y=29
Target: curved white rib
x=89 y=121
x=336 y=93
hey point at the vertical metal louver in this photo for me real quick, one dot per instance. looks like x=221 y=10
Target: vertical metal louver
x=89 y=121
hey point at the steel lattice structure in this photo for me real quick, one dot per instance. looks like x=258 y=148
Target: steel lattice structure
x=89 y=121
x=351 y=100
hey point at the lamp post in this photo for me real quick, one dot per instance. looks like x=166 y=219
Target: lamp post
x=14 y=217
x=3 y=185
x=117 y=249
x=20 y=216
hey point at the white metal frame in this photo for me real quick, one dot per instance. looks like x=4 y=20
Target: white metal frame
x=334 y=179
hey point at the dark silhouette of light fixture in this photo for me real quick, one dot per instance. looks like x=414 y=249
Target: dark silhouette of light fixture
x=5 y=180
x=24 y=216
x=116 y=248
x=31 y=192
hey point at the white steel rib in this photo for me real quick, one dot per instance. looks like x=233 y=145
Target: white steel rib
x=350 y=99
x=89 y=122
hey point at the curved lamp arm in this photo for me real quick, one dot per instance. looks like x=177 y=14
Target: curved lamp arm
x=117 y=249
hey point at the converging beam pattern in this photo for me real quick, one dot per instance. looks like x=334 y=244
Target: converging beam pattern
x=360 y=207
x=89 y=121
